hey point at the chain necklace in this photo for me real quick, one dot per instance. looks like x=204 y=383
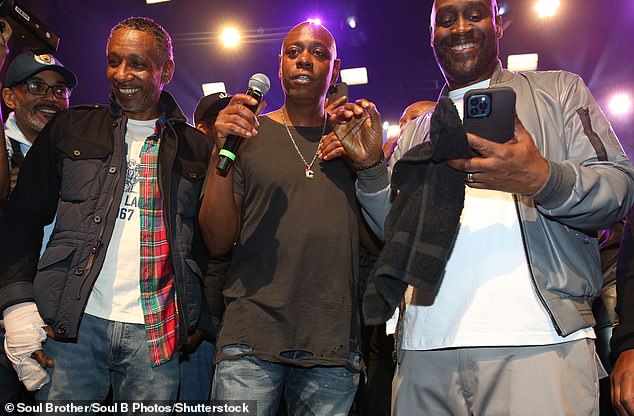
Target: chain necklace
x=310 y=174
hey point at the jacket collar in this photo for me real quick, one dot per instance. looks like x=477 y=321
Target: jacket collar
x=169 y=108
x=499 y=75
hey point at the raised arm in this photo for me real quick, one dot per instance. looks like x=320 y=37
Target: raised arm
x=358 y=128
x=220 y=210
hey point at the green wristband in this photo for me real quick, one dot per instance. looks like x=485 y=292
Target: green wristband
x=226 y=153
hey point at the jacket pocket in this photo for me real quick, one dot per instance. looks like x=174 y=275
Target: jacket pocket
x=586 y=263
x=578 y=235
x=51 y=279
x=193 y=171
x=81 y=166
x=189 y=177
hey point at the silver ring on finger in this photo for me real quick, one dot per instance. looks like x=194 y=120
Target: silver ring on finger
x=470 y=177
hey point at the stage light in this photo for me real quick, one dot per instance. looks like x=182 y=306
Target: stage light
x=620 y=104
x=386 y=125
x=155 y=1
x=314 y=20
x=502 y=8
x=230 y=37
x=352 y=22
x=522 y=62
x=547 y=8
x=213 y=87
x=354 y=76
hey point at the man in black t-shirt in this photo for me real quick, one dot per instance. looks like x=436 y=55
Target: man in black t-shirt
x=288 y=209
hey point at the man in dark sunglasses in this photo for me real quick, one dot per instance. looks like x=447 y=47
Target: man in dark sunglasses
x=35 y=89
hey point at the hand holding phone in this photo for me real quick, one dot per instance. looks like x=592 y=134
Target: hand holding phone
x=490 y=113
x=335 y=92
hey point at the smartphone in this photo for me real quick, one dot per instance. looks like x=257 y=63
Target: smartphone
x=336 y=91
x=490 y=113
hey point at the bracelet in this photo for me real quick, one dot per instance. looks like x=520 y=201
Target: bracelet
x=366 y=167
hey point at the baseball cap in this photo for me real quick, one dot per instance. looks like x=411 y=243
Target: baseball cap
x=27 y=64
x=210 y=105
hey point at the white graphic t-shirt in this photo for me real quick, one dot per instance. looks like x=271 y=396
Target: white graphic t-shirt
x=116 y=293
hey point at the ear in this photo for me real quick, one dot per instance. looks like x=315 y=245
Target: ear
x=335 y=71
x=499 y=31
x=8 y=96
x=168 y=71
x=279 y=72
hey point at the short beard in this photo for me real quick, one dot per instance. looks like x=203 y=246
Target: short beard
x=141 y=105
x=29 y=116
x=469 y=70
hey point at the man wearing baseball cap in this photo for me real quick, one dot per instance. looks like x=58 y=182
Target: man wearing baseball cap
x=207 y=110
x=36 y=88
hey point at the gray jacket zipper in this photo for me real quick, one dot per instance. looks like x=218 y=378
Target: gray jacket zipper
x=540 y=297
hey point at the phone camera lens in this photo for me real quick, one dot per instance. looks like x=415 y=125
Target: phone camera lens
x=484 y=105
x=474 y=111
x=474 y=101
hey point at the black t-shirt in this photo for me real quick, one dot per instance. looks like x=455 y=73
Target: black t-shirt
x=292 y=283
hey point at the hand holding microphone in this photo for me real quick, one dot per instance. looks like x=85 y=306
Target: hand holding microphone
x=238 y=119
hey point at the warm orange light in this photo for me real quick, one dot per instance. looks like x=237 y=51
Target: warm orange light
x=547 y=8
x=230 y=37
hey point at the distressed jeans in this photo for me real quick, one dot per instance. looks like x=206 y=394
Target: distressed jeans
x=314 y=391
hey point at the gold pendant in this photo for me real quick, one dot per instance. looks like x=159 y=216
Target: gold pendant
x=309 y=173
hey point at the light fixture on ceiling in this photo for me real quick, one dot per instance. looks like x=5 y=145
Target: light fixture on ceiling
x=354 y=76
x=523 y=62
x=213 y=87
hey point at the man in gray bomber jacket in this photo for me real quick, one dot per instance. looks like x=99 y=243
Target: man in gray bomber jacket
x=510 y=327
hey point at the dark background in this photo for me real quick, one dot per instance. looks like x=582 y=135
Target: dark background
x=593 y=38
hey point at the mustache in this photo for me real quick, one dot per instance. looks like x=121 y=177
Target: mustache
x=459 y=39
x=309 y=76
x=454 y=40
x=48 y=106
x=125 y=86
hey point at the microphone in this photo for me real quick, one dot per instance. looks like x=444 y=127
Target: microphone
x=259 y=85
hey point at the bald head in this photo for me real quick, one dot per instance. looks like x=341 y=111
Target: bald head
x=414 y=110
x=318 y=32
x=308 y=64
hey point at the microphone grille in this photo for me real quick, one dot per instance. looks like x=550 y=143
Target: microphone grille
x=260 y=82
